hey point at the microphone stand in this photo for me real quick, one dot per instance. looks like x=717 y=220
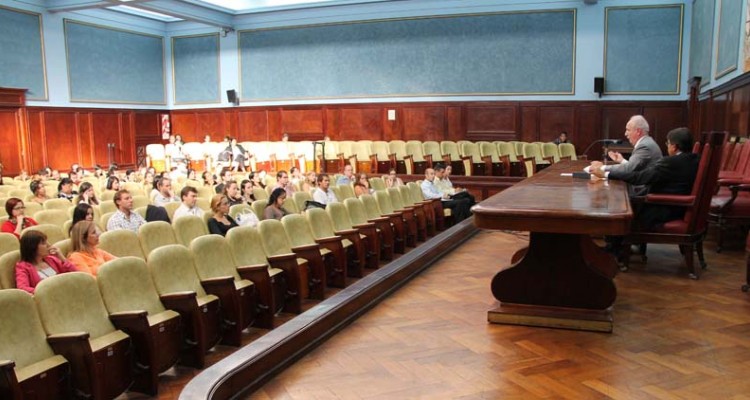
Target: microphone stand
x=315 y=156
x=604 y=148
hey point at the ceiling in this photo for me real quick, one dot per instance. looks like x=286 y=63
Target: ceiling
x=218 y=13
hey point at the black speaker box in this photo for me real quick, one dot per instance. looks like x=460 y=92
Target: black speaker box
x=599 y=85
x=232 y=96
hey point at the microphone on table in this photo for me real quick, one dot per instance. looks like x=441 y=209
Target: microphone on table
x=605 y=141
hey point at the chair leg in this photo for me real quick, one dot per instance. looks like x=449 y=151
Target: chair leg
x=699 y=250
x=687 y=253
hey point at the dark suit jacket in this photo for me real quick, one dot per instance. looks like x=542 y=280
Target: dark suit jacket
x=670 y=175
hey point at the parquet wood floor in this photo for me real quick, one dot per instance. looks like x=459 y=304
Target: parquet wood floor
x=674 y=338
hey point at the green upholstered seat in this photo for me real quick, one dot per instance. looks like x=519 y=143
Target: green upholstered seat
x=189 y=227
x=154 y=235
x=121 y=243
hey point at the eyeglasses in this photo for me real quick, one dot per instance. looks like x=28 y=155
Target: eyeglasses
x=19 y=208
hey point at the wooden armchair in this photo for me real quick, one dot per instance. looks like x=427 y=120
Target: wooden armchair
x=399 y=156
x=730 y=207
x=688 y=233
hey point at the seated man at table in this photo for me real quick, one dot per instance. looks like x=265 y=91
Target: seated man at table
x=670 y=175
x=460 y=208
x=645 y=150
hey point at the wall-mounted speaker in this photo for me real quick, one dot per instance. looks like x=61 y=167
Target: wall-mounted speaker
x=599 y=85
x=232 y=97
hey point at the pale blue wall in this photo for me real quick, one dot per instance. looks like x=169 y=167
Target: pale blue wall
x=726 y=44
x=589 y=62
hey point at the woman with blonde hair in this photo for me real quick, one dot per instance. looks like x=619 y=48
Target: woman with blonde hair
x=308 y=185
x=220 y=223
x=84 y=239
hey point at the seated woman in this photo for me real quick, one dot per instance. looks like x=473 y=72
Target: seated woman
x=221 y=222
x=275 y=208
x=84 y=237
x=208 y=179
x=65 y=189
x=392 y=180
x=17 y=220
x=232 y=192
x=362 y=185
x=113 y=183
x=308 y=185
x=246 y=191
x=82 y=212
x=257 y=179
x=39 y=260
x=87 y=195
x=39 y=191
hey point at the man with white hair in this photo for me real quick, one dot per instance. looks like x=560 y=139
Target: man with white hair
x=645 y=150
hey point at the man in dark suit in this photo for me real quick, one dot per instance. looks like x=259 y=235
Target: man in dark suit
x=670 y=175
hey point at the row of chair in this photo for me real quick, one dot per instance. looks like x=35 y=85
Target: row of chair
x=730 y=205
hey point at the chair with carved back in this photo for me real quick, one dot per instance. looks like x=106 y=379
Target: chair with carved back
x=688 y=233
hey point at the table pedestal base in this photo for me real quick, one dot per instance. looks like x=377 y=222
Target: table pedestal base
x=552 y=317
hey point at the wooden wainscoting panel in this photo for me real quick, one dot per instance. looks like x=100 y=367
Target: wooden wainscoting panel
x=106 y=129
x=614 y=119
x=553 y=120
x=85 y=129
x=61 y=139
x=125 y=150
x=424 y=123
x=36 y=151
x=148 y=125
x=11 y=149
x=455 y=123
x=488 y=122
x=357 y=123
x=252 y=126
x=529 y=124
x=184 y=123
x=299 y=122
x=661 y=120
x=208 y=123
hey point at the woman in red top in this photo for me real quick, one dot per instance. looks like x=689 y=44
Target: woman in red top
x=39 y=260
x=17 y=220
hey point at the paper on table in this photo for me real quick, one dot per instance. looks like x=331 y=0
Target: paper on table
x=587 y=169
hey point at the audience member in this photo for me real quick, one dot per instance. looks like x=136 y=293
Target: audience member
x=113 y=183
x=226 y=176
x=392 y=180
x=282 y=182
x=308 y=185
x=39 y=191
x=39 y=260
x=362 y=185
x=220 y=223
x=275 y=207
x=87 y=194
x=295 y=176
x=189 y=196
x=347 y=178
x=17 y=219
x=55 y=175
x=232 y=192
x=82 y=212
x=125 y=217
x=323 y=194
x=131 y=176
x=191 y=174
x=459 y=207
x=84 y=239
x=246 y=191
x=164 y=194
x=445 y=186
x=257 y=178
x=563 y=138
x=65 y=189
x=208 y=178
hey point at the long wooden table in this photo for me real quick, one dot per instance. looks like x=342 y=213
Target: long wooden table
x=562 y=279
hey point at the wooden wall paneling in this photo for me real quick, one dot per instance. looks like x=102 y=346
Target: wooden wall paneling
x=492 y=122
x=454 y=123
x=252 y=125
x=11 y=150
x=587 y=128
x=106 y=129
x=614 y=119
x=331 y=123
x=424 y=123
x=529 y=124
x=739 y=111
x=392 y=130
x=207 y=123
x=661 y=120
x=718 y=112
x=275 y=124
x=35 y=154
x=553 y=120
x=60 y=135
x=358 y=123
x=147 y=124
x=85 y=130
x=230 y=122
x=183 y=123
x=301 y=123
x=125 y=149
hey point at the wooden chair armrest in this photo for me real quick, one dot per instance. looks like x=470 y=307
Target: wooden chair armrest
x=253 y=273
x=329 y=239
x=182 y=302
x=379 y=219
x=5 y=364
x=347 y=232
x=671 y=200
x=131 y=321
x=306 y=247
x=67 y=337
x=281 y=257
x=549 y=159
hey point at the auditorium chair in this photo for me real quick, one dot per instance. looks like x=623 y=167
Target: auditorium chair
x=383 y=156
x=77 y=326
x=688 y=233
x=121 y=243
x=155 y=234
x=532 y=158
x=258 y=207
x=239 y=209
x=507 y=149
x=389 y=202
x=730 y=208
x=261 y=155
x=306 y=278
x=8 y=242
x=364 y=160
x=196 y=156
x=395 y=221
x=270 y=283
x=57 y=204
x=104 y=219
x=172 y=207
x=494 y=163
x=8 y=263
x=550 y=152
x=260 y=194
x=746 y=286
x=32 y=208
x=431 y=152
x=349 y=241
x=331 y=161
x=473 y=162
x=345 y=150
x=452 y=156
x=173 y=272
x=20 y=193
x=29 y=368
x=345 y=192
x=300 y=198
x=366 y=233
x=738 y=163
x=291 y=206
x=281 y=156
x=303 y=150
x=415 y=157
x=52 y=217
x=328 y=252
x=64 y=246
x=397 y=149
x=107 y=207
x=156 y=157
x=360 y=220
x=54 y=232
x=140 y=201
x=434 y=206
x=134 y=307
x=189 y=227
x=419 y=210
x=567 y=151
x=377 y=183
x=217 y=271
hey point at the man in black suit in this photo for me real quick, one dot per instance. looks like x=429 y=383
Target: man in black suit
x=670 y=175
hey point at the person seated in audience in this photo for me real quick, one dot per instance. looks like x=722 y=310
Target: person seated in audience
x=191 y=174
x=87 y=195
x=154 y=190
x=84 y=239
x=392 y=180
x=124 y=217
x=77 y=175
x=148 y=181
x=563 y=138
x=55 y=175
x=113 y=183
x=362 y=185
x=164 y=194
x=131 y=176
x=111 y=170
x=239 y=155
x=82 y=212
x=275 y=207
x=246 y=191
x=323 y=194
x=295 y=176
x=44 y=173
x=220 y=223
x=445 y=186
x=232 y=192
x=23 y=175
x=39 y=260
x=98 y=171
x=347 y=177
x=282 y=182
x=208 y=179
x=39 y=191
x=65 y=189
x=459 y=207
x=308 y=185
x=17 y=219
x=226 y=176
x=257 y=179
x=189 y=196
